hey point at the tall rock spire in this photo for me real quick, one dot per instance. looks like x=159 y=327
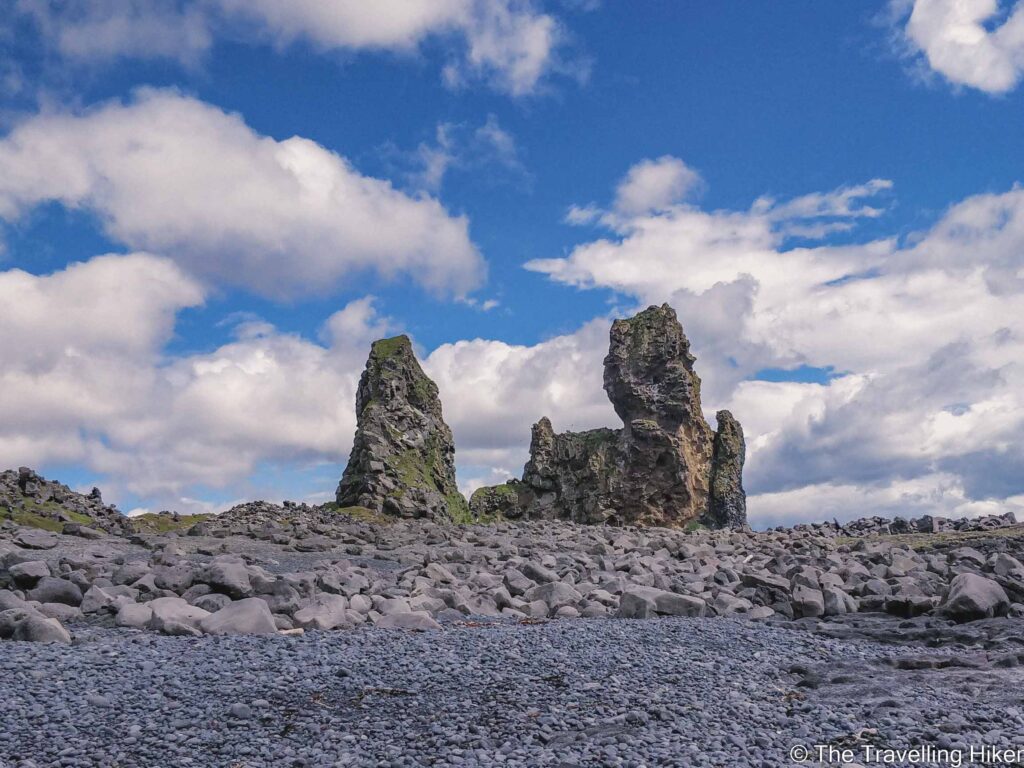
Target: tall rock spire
x=403 y=457
x=727 y=505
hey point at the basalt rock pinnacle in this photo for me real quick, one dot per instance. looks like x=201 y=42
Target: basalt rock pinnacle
x=665 y=466
x=403 y=458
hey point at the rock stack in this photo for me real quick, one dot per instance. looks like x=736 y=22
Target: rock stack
x=664 y=467
x=403 y=458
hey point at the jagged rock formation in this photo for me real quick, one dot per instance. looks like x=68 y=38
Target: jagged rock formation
x=403 y=458
x=727 y=506
x=29 y=499
x=658 y=469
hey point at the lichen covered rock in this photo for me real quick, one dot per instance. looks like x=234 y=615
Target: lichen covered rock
x=656 y=469
x=403 y=457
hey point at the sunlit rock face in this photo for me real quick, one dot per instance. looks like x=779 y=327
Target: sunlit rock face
x=403 y=458
x=660 y=468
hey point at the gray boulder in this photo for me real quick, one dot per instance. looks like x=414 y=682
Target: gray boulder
x=808 y=602
x=638 y=603
x=972 y=597
x=229 y=577
x=53 y=590
x=415 y=620
x=34 y=539
x=134 y=615
x=28 y=573
x=172 y=614
x=672 y=604
x=39 y=629
x=326 y=612
x=243 y=617
x=554 y=594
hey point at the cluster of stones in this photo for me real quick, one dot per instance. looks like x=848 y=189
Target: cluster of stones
x=228 y=577
x=875 y=526
x=24 y=493
x=664 y=467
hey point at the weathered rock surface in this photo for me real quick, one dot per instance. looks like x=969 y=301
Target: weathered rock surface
x=727 y=506
x=403 y=459
x=659 y=469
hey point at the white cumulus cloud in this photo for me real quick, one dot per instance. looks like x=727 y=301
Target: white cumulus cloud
x=507 y=42
x=976 y=43
x=171 y=174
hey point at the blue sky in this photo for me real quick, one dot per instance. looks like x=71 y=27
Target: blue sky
x=826 y=192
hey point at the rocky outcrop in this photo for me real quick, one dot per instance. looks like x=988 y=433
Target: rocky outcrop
x=27 y=498
x=403 y=458
x=658 y=469
x=727 y=506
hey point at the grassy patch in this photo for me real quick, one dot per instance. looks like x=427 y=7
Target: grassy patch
x=155 y=523
x=32 y=520
x=362 y=514
x=693 y=526
x=927 y=541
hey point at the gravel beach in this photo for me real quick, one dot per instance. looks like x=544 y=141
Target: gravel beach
x=677 y=691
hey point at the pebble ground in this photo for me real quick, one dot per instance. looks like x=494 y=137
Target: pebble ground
x=686 y=692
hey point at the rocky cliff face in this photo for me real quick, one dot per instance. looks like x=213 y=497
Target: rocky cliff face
x=403 y=458
x=658 y=469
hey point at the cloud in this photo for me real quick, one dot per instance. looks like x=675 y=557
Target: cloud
x=493 y=391
x=86 y=380
x=457 y=146
x=100 y=29
x=653 y=185
x=924 y=335
x=506 y=42
x=976 y=43
x=171 y=174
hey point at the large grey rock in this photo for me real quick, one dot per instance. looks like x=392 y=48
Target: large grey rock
x=973 y=597
x=808 y=601
x=212 y=602
x=656 y=469
x=50 y=589
x=672 y=604
x=228 y=577
x=172 y=614
x=637 y=604
x=415 y=620
x=554 y=594
x=325 y=612
x=134 y=615
x=97 y=599
x=39 y=629
x=28 y=573
x=33 y=539
x=403 y=458
x=243 y=617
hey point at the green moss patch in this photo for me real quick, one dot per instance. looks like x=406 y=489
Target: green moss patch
x=157 y=523
x=32 y=520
